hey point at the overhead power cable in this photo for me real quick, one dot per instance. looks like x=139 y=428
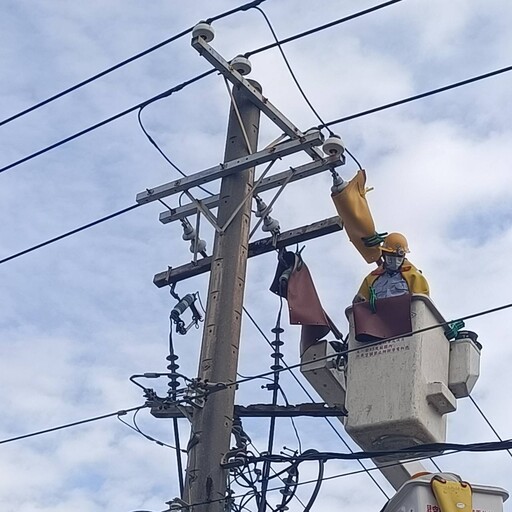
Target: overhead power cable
x=164 y=94
x=321 y=28
x=312 y=400
x=121 y=412
x=491 y=446
x=177 y=88
x=161 y=151
x=224 y=385
x=307 y=482
x=487 y=421
x=244 y=7
x=294 y=77
x=203 y=75
x=417 y=96
x=69 y=233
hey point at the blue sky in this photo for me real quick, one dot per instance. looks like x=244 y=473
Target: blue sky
x=80 y=316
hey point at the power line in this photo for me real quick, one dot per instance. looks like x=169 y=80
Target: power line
x=121 y=412
x=418 y=96
x=308 y=394
x=164 y=94
x=423 y=448
x=69 y=233
x=160 y=150
x=487 y=421
x=133 y=58
x=321 y=28
x=299 y=87
x=178 y=88
x=307 y=482
x=222 y=386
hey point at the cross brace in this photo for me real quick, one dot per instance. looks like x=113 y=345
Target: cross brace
x=217 y=61
x=289 y=147
x=294 y=236
x=314 y=410
x=276 y=180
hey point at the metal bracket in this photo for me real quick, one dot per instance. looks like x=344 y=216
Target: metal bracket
x=269 y=183
x=178 y=504
x=262 y=246
x=314 y=138
x=277 y=117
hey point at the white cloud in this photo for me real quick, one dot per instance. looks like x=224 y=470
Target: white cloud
x=80 y=316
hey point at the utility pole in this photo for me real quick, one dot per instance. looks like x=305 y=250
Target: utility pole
x=206 y=480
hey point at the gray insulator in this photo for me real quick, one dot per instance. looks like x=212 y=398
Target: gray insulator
x=201 y=246
x=338 y=183
x=270 y=225
x=261 y=207
x=334 y=146
x=241 y=64
x=189 y=233
x=204 y=31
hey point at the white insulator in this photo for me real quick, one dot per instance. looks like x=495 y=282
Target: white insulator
x=241 y=64
x=261 y=207
x=201 y=246
x=270 y=224
x=204 y=31
x=333 y=146
x=189 y=233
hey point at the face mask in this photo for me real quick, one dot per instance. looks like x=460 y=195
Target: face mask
x=393 y=263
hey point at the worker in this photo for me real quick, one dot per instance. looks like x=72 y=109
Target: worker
x=395 y=276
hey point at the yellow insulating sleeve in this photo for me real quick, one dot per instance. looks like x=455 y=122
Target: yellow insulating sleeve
x=354 y=211
x=452 y=496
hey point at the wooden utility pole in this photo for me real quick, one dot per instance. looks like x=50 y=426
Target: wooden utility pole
x=211 y=426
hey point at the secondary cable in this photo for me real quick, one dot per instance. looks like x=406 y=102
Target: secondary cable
x=69 y=233
x=308 y=394
x=164 y=94
x=366 y=345
x=121 y=412
x=160 y=150
x=487 y=421
x=491 y=446
x=299 y=87
x=133 y=58
x=178 y=87
x=418 y=96
x=321 y=28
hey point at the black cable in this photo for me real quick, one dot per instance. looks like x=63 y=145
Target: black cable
x=487 y=421
x=164 y=94
x=299 y=87
x=372 y=344
x=276 y=344
x=308 y=394
x=244 y=7
x=418 y=96
x=307 y=482
x=173 y=384
x=69 y=233
x=318 y=484
x=299 y=442
x=185 y=84
x=121 y=412
x=321 y=27
x=491 y=446
x=199 y=77
x=159 y=149
x=143 y=434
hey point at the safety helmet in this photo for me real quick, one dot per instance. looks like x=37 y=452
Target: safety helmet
x=395 y=243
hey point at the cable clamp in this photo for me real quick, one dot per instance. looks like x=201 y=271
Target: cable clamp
x=178 y=504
